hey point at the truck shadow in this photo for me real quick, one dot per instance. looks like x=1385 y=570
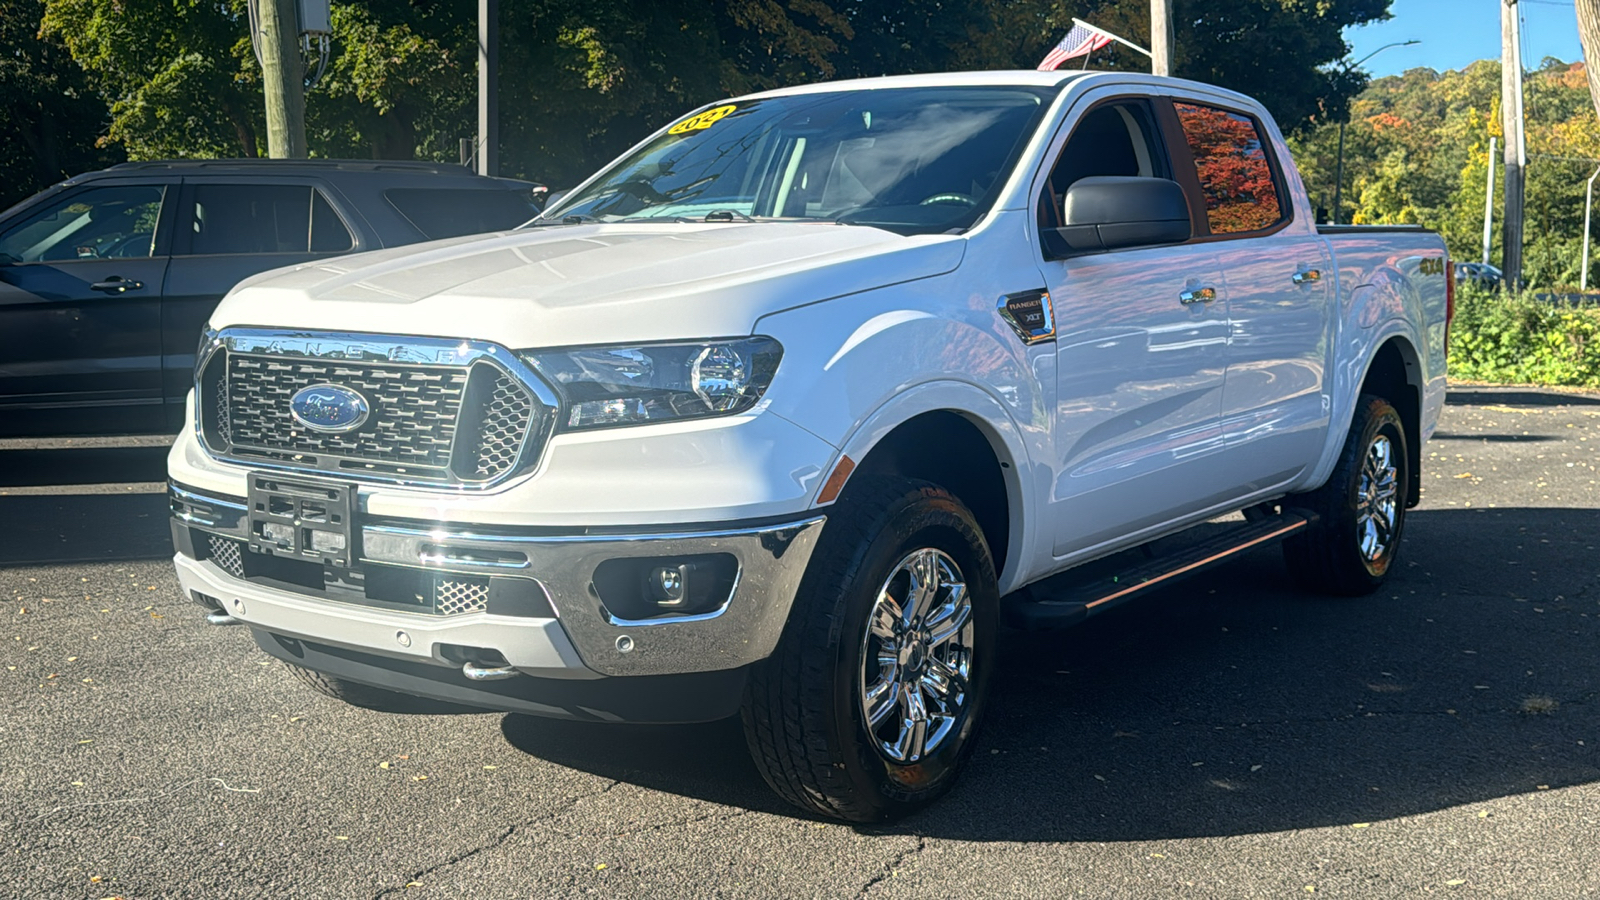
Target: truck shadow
x=80 y=523
x=1236 y=704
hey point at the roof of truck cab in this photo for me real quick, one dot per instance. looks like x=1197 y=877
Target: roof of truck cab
x=1000 y=78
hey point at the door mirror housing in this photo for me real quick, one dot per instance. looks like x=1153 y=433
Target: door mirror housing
x=1106 y=212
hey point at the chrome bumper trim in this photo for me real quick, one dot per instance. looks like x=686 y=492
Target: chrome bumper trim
x=771 y=560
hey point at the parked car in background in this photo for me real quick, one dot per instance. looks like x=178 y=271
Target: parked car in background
x=1480 y=275
x=107 y=279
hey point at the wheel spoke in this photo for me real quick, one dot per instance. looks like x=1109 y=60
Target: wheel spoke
x=924 y=585
x=882 y=700
x=950 y=626
x=886 y=618
x=913 y=740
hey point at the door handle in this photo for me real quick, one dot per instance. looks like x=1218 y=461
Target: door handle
x=1309 y=276
x=1198 y=295
x=116 y=284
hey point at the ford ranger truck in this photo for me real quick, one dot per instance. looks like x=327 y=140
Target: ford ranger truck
x=789 y=410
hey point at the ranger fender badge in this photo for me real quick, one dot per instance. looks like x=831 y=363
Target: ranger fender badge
x=1028 y=314
x=329 y=408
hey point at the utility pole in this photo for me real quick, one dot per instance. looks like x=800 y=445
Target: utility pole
x=1161 y=37
x=283 y=77
x=488 y=87
x=1488 y=206
x=1516 y=152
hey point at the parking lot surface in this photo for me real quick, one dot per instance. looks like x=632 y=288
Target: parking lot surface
x=1227 y=737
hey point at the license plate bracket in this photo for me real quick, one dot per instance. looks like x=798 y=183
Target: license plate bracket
x=303 y=519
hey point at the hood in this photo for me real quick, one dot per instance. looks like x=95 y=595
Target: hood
x=585 y=284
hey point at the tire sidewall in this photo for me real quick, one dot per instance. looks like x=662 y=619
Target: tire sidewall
x=928 y=519
x=1381 y=419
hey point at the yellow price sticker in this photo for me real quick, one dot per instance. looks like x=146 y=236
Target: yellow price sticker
x=703 y=121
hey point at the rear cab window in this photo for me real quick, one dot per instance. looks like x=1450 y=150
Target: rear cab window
x=1234 y=167
x=453 y=212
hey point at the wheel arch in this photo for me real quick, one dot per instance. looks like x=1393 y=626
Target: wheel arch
x=970 y=448
x=1395 y=374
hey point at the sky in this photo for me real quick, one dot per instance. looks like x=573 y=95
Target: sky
x=1454 y=33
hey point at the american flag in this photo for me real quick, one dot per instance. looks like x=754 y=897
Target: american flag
x=1080 y=41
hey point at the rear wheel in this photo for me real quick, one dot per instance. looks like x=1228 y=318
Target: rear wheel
x=871 y=702
x=1361 y=509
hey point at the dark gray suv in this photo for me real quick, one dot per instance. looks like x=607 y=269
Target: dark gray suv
x=107 y=279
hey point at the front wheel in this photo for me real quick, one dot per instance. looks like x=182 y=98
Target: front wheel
x=871 y=702
x=1361 y=510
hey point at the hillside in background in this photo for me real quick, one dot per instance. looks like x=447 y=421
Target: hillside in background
x=1416 y=151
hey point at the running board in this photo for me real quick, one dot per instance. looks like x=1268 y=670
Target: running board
x=1039 y=608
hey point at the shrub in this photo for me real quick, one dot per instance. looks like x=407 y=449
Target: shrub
x=1518 y=339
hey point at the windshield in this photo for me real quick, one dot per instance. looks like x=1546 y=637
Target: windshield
x=911 y=160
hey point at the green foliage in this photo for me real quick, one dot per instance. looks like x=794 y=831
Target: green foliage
x=581 y=80
x=1518 y=339
x=50 y=122
x=1416 y=151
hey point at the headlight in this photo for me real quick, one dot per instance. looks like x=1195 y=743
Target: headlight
x=605 y=386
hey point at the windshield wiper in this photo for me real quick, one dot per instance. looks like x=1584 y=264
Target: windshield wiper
x=727 y=215
x=574 y=219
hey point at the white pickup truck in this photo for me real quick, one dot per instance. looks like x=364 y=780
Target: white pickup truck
x=787 y=410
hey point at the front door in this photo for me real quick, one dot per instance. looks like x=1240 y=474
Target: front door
x=80 y=313
x=1141 y=340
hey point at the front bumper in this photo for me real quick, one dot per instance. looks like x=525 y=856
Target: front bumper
x=575 y=638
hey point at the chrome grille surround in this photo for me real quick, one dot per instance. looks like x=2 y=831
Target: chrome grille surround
x=445 y=413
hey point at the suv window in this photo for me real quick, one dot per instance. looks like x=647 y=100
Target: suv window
x=98 y=223
x=235 y=219
x=1235 y=174
x=452 y=212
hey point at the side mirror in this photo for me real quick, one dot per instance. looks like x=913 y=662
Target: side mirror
x=1106 y=212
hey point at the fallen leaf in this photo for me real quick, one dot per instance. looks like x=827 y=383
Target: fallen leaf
x=491 y=768
x=1362 y=825
x=599 y=866
x=1465 y=475
x=384 y=764
x=1255 y=768
x=89 y=741
x=1483 y=814
x=419 y=778
x=1455 y=881
x=340 y=837
x=1542 y=787
x=1158 y=856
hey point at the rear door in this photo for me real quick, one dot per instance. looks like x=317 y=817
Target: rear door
x=1141 y=337
x=81 y=276
x=1278 y=274
x=228 y=229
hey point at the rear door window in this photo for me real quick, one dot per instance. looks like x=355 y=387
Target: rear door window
x=452 y=212
x=1235 y=172
x=251 y=219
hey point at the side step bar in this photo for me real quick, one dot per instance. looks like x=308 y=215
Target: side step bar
x=1038 y=607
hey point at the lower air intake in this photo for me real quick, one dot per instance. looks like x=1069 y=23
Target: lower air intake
x=226 y=554
x=454 y=596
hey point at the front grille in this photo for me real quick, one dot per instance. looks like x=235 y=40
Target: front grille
x=505 y=423
x=450 y=414
x=453 y=596
x=414 y=409
x=226 y=553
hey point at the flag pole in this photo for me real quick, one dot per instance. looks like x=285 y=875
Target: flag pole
x=1113 y=37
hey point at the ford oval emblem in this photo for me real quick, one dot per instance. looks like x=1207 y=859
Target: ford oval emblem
x=329 y=408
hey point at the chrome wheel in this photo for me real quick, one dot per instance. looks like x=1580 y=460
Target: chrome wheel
x=1377 y=497
x=916 y=657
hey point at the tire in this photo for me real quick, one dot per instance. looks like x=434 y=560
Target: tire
x=806 y=708
x=376 y=699
x=1361 y=509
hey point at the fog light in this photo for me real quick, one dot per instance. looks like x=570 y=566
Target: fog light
x=282 y=535
x=327 y=541
x=669 y=585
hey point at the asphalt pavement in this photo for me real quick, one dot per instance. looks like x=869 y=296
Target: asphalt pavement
x=1227 y=737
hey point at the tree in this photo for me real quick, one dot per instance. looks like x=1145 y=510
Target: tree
x=50 y=121
x=1589 y=36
